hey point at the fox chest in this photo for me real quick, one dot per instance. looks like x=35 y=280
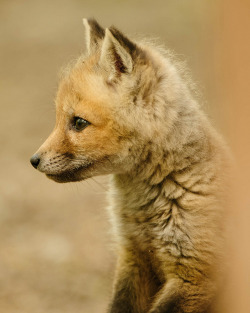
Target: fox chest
x=162 y=233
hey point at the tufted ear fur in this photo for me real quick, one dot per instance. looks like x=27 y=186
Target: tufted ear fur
x=117 y=54
x=94 y=35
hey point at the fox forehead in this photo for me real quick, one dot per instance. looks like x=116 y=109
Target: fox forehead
x=85 y=95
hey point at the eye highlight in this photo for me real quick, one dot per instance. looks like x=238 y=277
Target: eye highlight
x=80 y=123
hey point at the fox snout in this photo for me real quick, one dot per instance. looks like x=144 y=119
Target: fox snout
x=42 y=162
x=38 y=161
x=35 y=160
x=60 y=167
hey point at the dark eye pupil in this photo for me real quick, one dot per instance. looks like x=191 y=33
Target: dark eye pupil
x=80 y=123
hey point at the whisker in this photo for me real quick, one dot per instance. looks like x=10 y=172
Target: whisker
x=100 y=185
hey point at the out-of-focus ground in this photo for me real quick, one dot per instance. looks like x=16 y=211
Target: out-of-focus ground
x=55 y=240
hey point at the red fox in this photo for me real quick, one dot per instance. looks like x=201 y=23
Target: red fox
x=125 y=109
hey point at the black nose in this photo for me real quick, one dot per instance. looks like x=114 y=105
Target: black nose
x=35 y=160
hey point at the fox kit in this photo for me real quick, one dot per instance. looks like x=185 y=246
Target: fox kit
x=124 y=109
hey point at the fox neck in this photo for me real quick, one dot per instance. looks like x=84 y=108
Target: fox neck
x=166 y=171
x=155 y=170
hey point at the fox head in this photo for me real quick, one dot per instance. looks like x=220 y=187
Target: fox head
x=108 y=108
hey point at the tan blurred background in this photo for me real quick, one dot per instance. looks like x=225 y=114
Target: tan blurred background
x=55 y=251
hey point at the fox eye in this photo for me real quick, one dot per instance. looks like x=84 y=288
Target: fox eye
x=79 y=123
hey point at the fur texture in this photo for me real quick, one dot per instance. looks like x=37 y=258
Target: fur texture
x=168 y=169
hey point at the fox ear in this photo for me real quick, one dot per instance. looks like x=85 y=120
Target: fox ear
x=117 y=54
x=94 y=35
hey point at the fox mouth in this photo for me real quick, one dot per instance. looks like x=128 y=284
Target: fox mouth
x=70 y=175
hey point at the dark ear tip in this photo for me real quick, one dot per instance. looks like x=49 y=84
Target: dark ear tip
x=91 y=20
x=95 y=26
x=122 y=39
x=115 y=32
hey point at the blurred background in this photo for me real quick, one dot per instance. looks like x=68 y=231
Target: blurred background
x=55 y=240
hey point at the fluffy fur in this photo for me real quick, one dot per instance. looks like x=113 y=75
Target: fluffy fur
x=168 y=169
